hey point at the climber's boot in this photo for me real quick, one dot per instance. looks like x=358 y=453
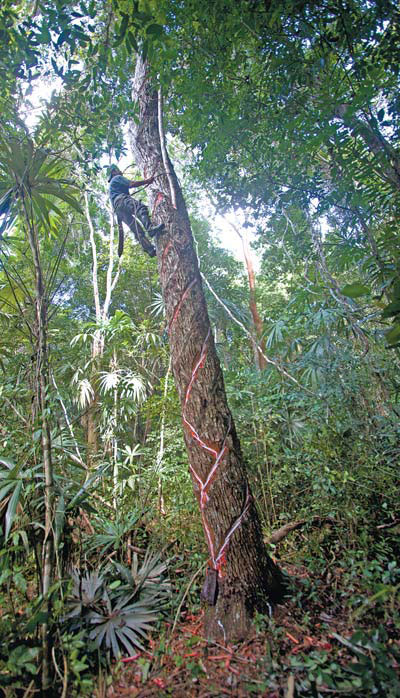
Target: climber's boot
x=151 y=232
x=147 y=246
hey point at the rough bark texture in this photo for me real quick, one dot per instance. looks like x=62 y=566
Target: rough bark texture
x=247 y=577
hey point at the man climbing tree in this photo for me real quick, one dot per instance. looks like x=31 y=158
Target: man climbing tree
x=131 y=211
x=241 y=577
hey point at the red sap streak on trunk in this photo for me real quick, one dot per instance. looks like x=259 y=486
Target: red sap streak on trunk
x=164 y=254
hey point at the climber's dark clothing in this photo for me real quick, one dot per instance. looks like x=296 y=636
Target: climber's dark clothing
x=118 y=185
x=133 y=213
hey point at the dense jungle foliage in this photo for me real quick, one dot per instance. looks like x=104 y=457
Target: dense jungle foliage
x=282 y=117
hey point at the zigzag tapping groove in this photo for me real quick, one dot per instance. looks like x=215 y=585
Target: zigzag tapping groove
x=180 y=303
x=218 y=561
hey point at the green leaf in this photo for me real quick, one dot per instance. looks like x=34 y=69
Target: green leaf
x=145 y=49
x=393 y=335
x=4 y=490
x=355 y=290
x=133 y=41
x=8 y=463
x=20 y=582
x=116 y=584
x=391 y=309
x=12 y=507
x=59 y=193
x=83 y=490
x=59 y=518
x=63 y=37
x=41 y=207
x=37 y=619
x=124 y=26
x=154 y=30
x=21 y=658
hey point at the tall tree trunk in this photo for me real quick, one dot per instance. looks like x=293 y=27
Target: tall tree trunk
x=239 y=564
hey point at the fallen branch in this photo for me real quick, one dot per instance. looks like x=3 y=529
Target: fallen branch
x=281 y=533
x=355 y=648
x=391 y=524
x=290 y=687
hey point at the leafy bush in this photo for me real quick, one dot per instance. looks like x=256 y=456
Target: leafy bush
x=371 y=671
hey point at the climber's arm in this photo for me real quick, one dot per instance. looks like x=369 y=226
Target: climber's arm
x=140 y=183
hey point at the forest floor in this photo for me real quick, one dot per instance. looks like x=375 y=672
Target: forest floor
x=310 y=647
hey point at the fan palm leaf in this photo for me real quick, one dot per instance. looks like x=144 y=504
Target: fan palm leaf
x=32 y=173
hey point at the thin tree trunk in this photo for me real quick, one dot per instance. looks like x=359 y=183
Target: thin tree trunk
x=79 y=458
x=91 y=418
x=333 y=285
x=114 y=440
x=42 y=392
x=160 y=454
x=259 y=344
x=110 y=281
x=257 y=322
x=376 y=143
x=101 y=312
x=257 y=339
x=239 y=563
